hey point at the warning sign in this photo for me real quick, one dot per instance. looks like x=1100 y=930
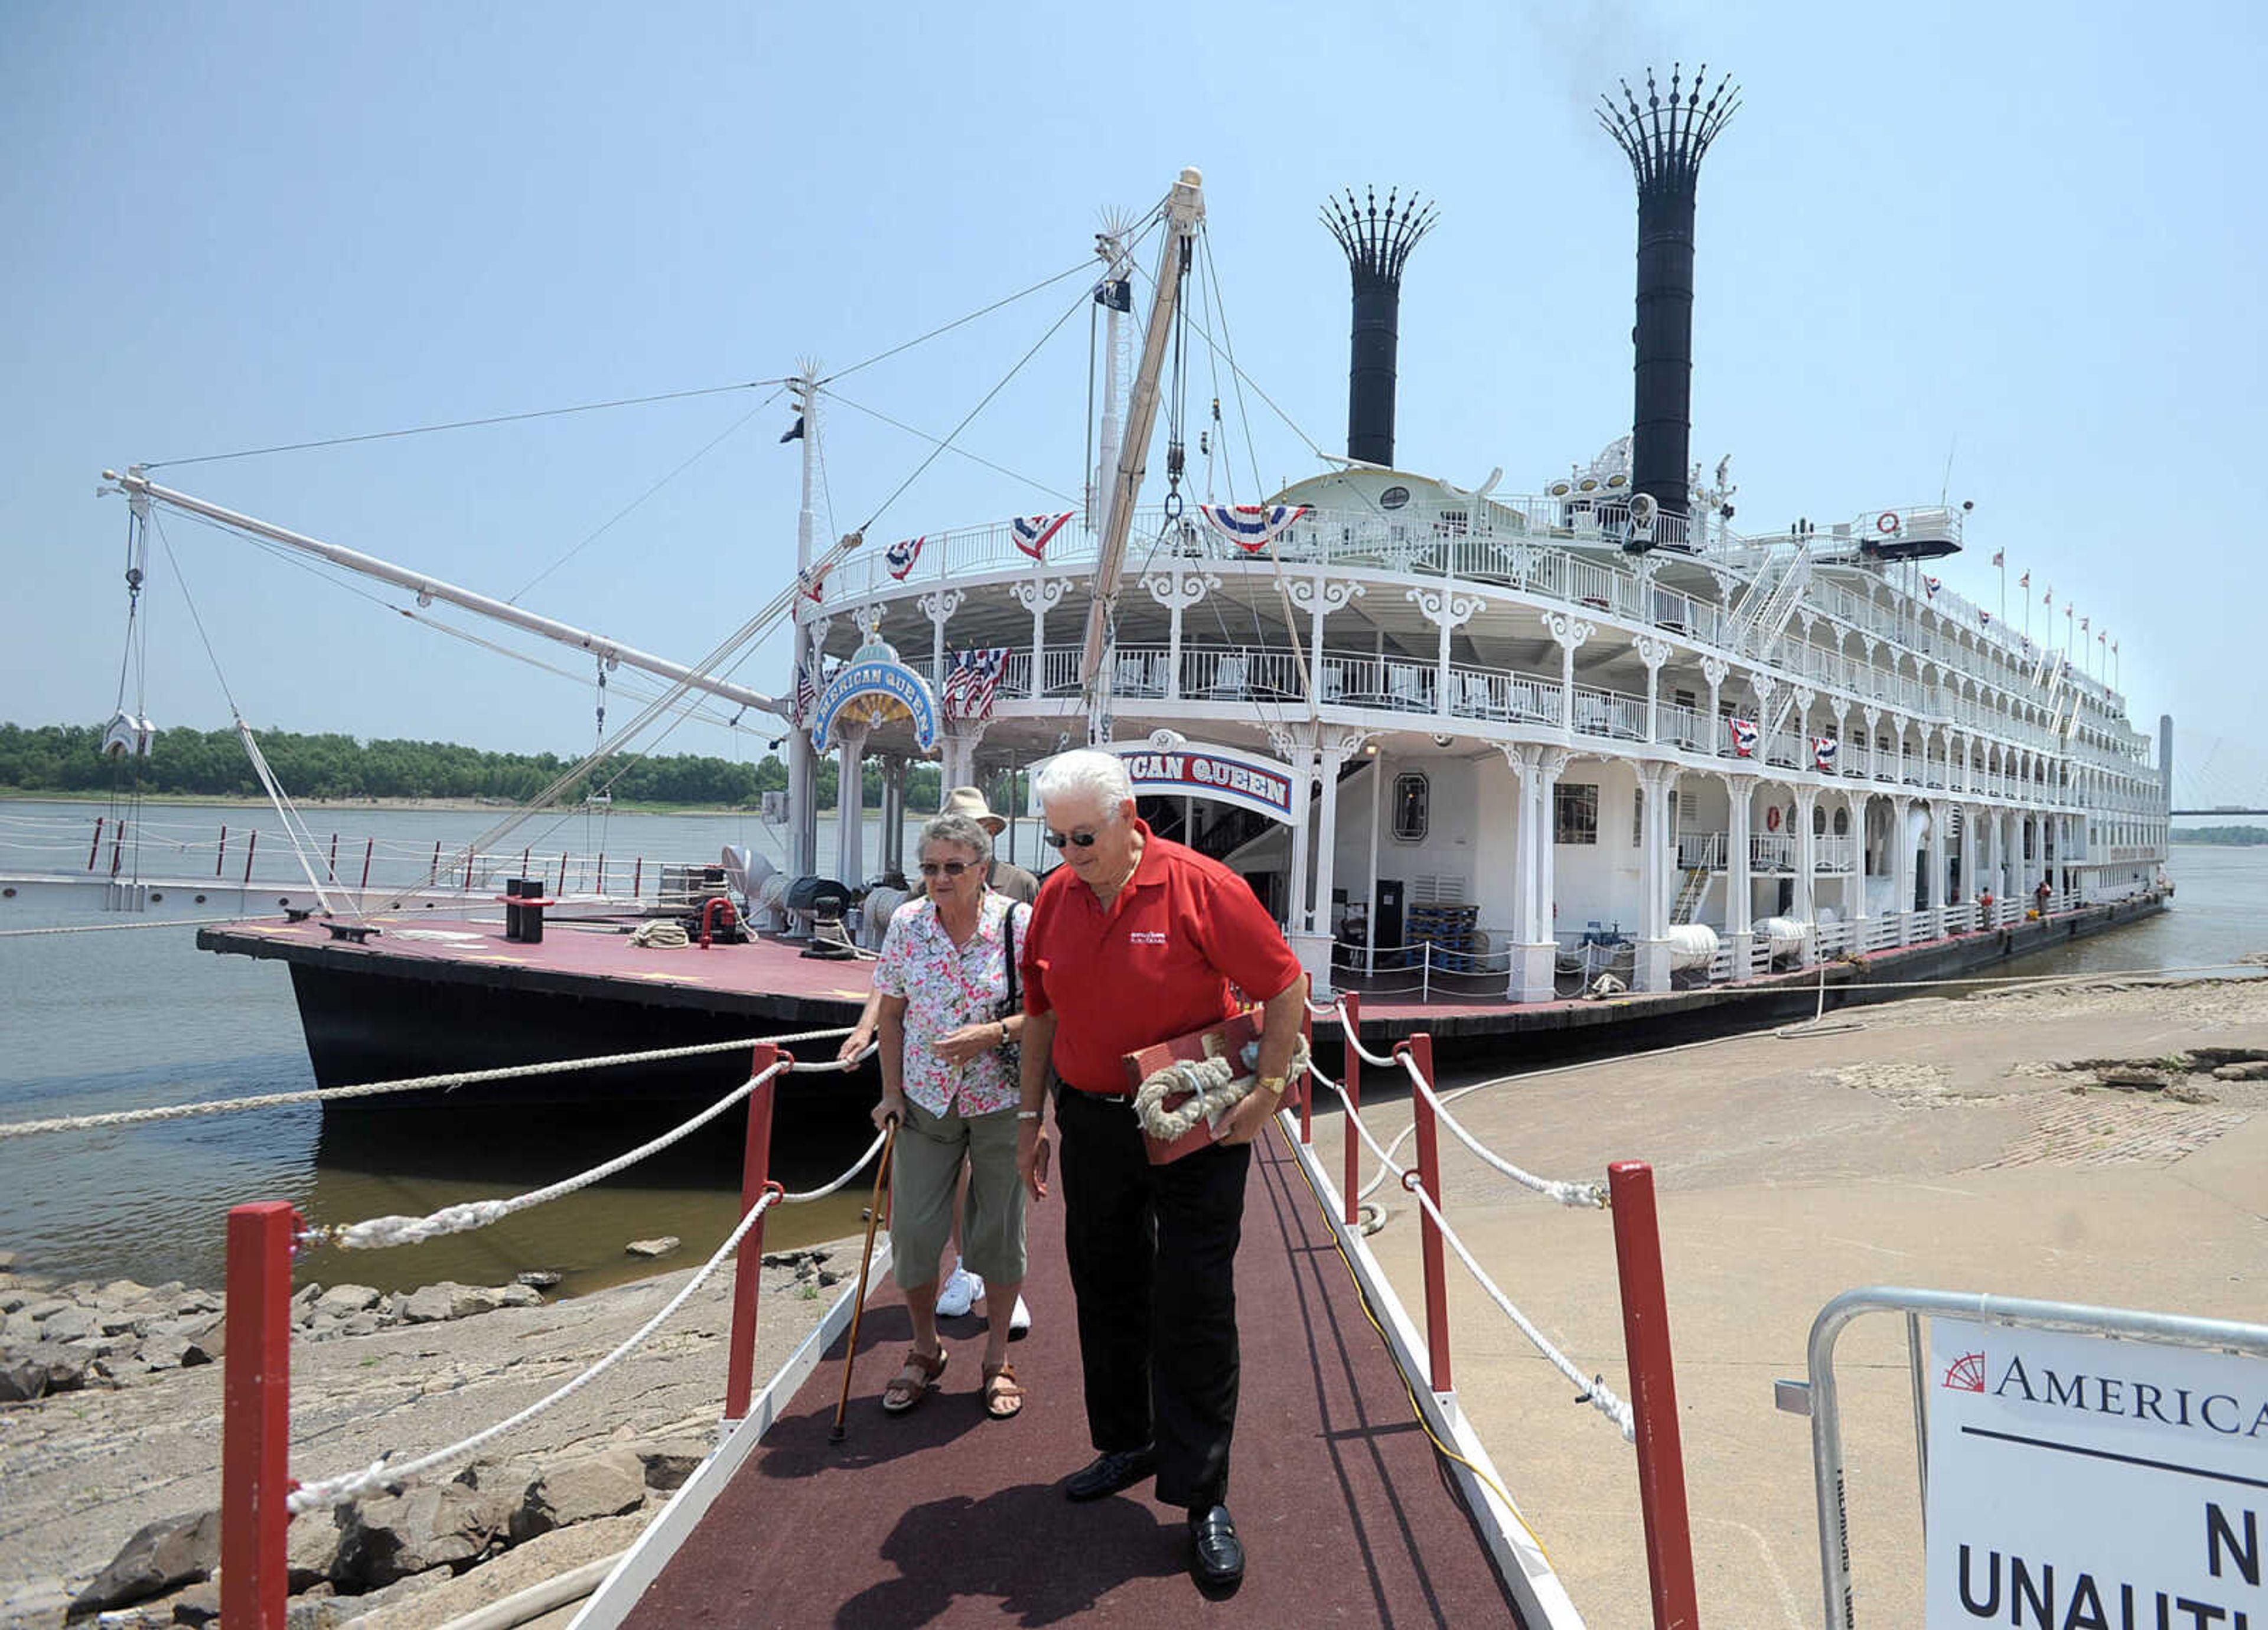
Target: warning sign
x=2082 y=1483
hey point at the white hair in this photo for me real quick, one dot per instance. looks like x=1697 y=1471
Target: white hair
x=958 y=828
x=1085 y=770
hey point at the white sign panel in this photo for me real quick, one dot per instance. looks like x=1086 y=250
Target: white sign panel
x=2081 y=1483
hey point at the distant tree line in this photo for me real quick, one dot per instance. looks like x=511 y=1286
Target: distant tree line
x=212 y=764
x=2242 y=837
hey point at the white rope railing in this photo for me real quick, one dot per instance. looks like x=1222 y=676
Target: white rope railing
x=384 y=1233
x=382 y=1473
x=1595 y=1391
x=1589 y=1196
x=414 y=1083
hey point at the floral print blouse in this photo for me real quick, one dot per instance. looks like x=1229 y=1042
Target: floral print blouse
x=946 y=987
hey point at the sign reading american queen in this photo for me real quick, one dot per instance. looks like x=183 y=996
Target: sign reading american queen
x=1166 y=766
x=2078 y=1481
x=874 y=685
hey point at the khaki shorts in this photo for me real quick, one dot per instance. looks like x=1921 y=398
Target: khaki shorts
x=924 y=1171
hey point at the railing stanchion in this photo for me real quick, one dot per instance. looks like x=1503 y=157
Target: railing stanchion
x=1350 y=1027
x=251 y=848
x=1308 y=1083
x=256 y=1415
x=747 y=1269
x=1426 y=978
x=1429 y=1175
x=220 y=856
x=369 y=847
x=1654 y=1396
x=638 y=876
x=94 y=849
x=332 y=865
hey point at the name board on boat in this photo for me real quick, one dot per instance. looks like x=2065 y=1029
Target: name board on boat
x=1194 y=768
x=2075 y=1479
x=891 y=683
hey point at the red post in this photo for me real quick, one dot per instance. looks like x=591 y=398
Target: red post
x=1352 y=1064
x=433 y=873
x=638 y=876
x=1654 y=1396
x=523 y=860
x=1429 y=1175
x=1306 y=1087
x=117 y=842
x=369 y=845
x=332 y=864
x=562 y=890
x=94 y=849
x=602 y=872
x=469 y=870
x=747 y=1268
x=251 y=848
x=256 y=1415
x=220 y=857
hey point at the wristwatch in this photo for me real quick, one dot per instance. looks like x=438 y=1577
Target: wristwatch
x=1274 y=1085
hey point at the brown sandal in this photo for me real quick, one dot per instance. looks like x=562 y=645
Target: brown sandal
x=1004 y=1399
x=914 y=1383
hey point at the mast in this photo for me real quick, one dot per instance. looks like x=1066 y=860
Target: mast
x=802 y=767
x=429 y=588
x=1185 y=210
x=1116 y=297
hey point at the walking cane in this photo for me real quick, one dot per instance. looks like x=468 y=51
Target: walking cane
x=866 y=1261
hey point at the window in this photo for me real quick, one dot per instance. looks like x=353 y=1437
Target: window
x=1842 y=822
x=1410 y=812
x=1818 y=821
x=1575 y=814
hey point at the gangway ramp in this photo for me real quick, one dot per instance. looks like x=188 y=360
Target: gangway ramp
x=1348 y=1513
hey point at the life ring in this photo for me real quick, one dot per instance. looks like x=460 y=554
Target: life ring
x=1886 y=523
x=1771 y=819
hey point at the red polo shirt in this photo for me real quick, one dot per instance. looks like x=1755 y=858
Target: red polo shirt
x=1156 y=965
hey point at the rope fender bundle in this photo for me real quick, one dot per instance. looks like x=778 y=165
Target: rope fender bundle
x=1212 y=1085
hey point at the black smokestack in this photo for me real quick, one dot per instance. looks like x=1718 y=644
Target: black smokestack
x=1665 y=141
x=1377 y=242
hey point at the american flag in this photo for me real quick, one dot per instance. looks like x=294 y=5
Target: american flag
x=973 y=680
x=806 y=694
x=1999 y=556
x=811 y=581
x=1744 y=738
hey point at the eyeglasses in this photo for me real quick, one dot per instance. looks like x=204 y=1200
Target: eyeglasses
x=950 y=868
x=1057 y=840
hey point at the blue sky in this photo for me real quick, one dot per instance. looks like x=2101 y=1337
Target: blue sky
x=2020 y=237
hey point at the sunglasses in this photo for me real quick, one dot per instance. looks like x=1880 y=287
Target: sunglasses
x=1057 y=840
x=950 y=868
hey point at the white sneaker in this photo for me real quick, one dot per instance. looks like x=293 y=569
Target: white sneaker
x=1020 y=1320
x=959 y=1293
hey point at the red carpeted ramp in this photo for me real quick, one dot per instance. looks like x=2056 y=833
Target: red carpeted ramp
x=943 y=1517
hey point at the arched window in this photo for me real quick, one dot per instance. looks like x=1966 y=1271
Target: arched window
x=1411 y=811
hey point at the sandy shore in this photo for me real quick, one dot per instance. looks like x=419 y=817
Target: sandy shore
x=83 y=1470
x=1937 y=1146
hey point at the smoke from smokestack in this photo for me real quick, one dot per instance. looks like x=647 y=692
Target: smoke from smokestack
x=1665 y=142
x=1377 y=242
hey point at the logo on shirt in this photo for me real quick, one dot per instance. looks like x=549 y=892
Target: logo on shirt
x=1146 y=936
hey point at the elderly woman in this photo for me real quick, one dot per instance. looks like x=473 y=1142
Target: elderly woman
x=949 y=1076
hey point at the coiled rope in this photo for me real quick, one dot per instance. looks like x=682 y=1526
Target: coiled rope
x=414 y=1083
x=383 y=1233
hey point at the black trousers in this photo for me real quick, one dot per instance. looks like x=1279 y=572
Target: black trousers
x=1152 y=1258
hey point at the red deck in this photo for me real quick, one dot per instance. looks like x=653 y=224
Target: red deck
x=944 y=1517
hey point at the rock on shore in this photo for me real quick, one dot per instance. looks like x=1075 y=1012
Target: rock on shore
x=110 y=1437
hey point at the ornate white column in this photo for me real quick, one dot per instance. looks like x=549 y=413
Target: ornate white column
x=1295 y=744
x=1447 y=610
x=1656 y=781
x=1739 y=893
x=1873 y=719
x=1806 y=871
x=1037 y=593
x=1571 y=632
x=1551 y=763
x=939 y=608
x=1902 y=873
x=1319 y=596
x=957 y=740
x=850 y=804
x=1177 y=588
x=1654 y=651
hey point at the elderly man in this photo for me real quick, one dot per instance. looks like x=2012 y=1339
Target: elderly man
x=1135 y=941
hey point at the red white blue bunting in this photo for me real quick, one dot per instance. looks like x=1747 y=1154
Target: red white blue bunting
x=901 y=555
x=1251 y=526
x=1032 y=532
x=1744 y=737
x=1823 y=753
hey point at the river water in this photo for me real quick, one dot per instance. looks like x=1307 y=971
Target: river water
x=137 y=1016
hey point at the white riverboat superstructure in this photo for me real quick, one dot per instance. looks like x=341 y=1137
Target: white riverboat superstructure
x=1501 y=746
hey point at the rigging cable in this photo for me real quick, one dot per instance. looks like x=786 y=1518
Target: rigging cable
x=923 y=435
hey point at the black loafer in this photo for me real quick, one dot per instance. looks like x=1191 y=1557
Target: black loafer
x=1216 y=1554
x=1111 y=1472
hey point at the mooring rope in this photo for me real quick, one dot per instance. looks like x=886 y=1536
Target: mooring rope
x=1588 y=1196
x=414 y=1083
